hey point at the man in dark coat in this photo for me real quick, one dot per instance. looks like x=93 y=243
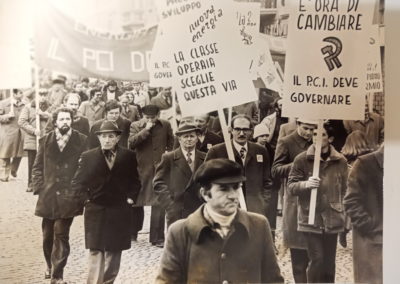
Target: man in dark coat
x=255 y=163
x=111 y=91
x=54 y=167
x=207 y=138
x=113 y=113
x=286 y=151
x=150 y=137
x=364 y=205
x=220 y=243
x=108 y=176
x=173 y=180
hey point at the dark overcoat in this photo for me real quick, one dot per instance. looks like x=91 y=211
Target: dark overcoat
x=173 y=182
x=286 y=150
x=364 y=205
x=149 y=146
x=108 y=216
x=194 y=253
x=258 y=184
x=122 y=123
x=52 y=173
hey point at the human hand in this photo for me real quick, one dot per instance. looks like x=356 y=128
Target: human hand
x=313 y=182
x=149 y=125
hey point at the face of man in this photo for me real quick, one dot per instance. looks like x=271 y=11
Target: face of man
x=124 y=101
x=241 y=131
x=326 y=141
x=201 y=122
x=150 y=118
x=278 y=108
x=113 y=114
x=97 y=97
x=305 y=130
x=43 y=96
x=73 y=103
x=108 y=140
x=223 y=198
x=112 y=88
x=188 y=140
x=63 y=122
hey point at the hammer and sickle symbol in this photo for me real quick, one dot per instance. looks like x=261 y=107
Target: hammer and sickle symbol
x=331 y=58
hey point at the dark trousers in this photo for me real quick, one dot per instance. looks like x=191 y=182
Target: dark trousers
x=299 y=260
x=31 y=160
x=56 y=244
x=321 y=250
x=138 y=218
x=157 y=224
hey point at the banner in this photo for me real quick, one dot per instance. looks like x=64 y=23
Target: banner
x=374 y=68
x=65 y=45
x=16 y=67
x=326 y=58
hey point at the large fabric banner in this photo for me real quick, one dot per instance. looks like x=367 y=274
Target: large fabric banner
x=65 y=45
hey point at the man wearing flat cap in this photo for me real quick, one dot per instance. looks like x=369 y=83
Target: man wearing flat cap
x=219 y=243
x=150 y=137
x=173 y=181
x=108 y=180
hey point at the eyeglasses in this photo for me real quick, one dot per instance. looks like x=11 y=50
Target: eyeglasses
x=246 y=130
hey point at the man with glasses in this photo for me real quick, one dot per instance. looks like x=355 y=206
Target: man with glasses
x=255 y=162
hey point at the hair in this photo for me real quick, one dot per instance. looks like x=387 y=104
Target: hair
x=356 y=144
x=112 y=104
x=67 y=96
x=94 y=91
x=275 y=103
x=61 y=109
x=112 y=83
x=15 y=91
x=86 y=80
x=241 y=116
x=330 y=131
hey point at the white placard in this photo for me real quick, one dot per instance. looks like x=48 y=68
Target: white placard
x=374 y=68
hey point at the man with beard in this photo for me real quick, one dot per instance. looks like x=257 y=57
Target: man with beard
x=286 y=151
x=54 y=167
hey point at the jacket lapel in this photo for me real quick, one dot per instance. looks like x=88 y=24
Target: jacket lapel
x=181 y=162
x=250 y=153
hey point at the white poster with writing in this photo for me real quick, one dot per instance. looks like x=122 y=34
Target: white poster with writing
x=326 y=58
x=374 y=67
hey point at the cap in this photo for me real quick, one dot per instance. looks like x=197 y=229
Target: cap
x=307 y=121
x=185 y=128
x=259 y=130
x=108 y=126
x=220 y=171
x=151 y=110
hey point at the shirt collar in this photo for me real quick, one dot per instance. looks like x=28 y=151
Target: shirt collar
x=185 y=152
x=238 y=146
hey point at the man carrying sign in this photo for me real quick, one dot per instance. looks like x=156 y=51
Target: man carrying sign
x=321 y=237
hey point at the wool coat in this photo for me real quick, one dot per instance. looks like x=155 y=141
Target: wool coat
x=286 y=151
x=173 y=183
x=363 y=203
x=91 y=112
x=194 y=253
x=11 y=136
x=108 y=216
x=256 y=169
x=52 y=173
x=149 y=145
x=131 y=113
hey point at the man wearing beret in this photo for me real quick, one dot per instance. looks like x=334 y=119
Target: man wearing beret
x=108 y=179
x=220 y=243
x=173 y=181
x=150 y=137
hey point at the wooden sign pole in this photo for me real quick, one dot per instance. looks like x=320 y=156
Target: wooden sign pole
x=317 y=159
x=37 y=104
x=229 y=149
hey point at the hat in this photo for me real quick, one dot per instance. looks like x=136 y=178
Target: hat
x=307 y=121
x=259 y=130
x=151 y=110
x=58 y=81
x=219 y=171
x=108 y=126
x=185 y=128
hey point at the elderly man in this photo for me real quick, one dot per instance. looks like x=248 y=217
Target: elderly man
x=286 y=151
x=128 y=111
x=173 y=178
x=113 y=113
x=54 y=167
x=255 y=163
x=220 y=243
x=150 y=137
x=108 y=176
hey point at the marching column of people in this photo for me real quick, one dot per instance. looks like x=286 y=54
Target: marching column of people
x=132 y=161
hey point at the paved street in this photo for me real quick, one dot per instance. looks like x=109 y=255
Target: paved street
x=22 y=261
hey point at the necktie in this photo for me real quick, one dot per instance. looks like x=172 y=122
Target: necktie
x=189 y=160
x=108 y=154
x=242 y=153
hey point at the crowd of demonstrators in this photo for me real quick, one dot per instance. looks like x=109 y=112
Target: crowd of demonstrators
x=274 y=154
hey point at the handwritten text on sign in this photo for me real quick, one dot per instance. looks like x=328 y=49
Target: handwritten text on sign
x=326 y=58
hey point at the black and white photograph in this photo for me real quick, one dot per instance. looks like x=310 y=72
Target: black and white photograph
x=198 y=141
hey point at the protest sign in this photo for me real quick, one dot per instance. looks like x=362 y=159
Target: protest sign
x=14 y=45
x=374 y=68
x=65 y=45
x=326 y=58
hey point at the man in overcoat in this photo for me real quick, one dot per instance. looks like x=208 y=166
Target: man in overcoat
x=54 y=167
x=108 y=178
x=255 y=163
x=173 y=180
x=220 y=243
x=207 y=138
x=286 y=151
x=150 y=137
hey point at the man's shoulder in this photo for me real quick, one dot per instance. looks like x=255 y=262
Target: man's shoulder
x=96 y=125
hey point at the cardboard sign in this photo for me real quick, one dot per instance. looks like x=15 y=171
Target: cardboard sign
x=326 y=58
x=374 y=68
